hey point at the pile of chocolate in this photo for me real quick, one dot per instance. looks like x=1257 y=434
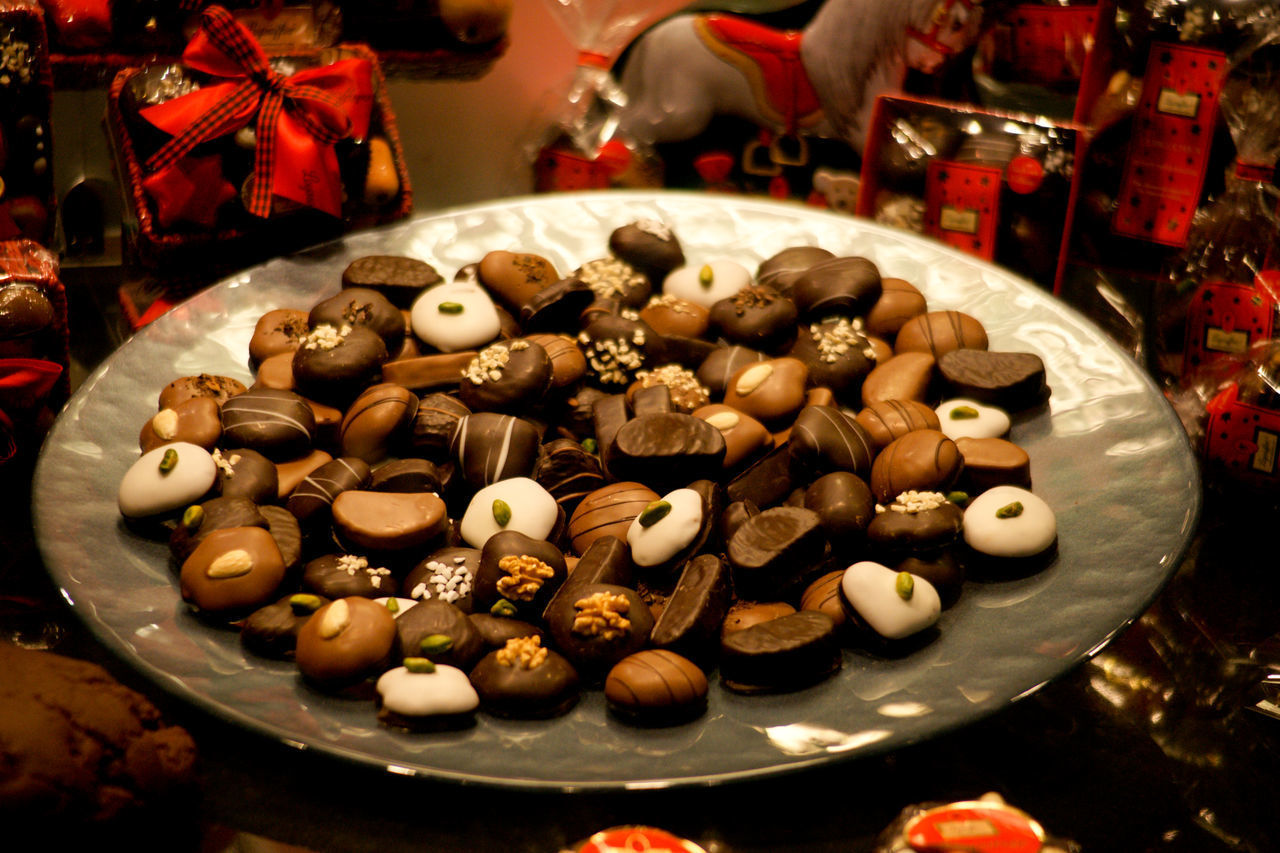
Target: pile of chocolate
x=493 y=492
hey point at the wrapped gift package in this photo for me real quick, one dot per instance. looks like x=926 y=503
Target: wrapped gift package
x=34 y=348
x=26 y=141
x=217 y=166
x=997 y=185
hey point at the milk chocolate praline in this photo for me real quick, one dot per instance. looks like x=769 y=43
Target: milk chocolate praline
x=220 y=388
x=899 y=302
x=608 y=511
x=921 y=460
x=280 y=330
x=345 y=642
x=656 y=687
x=232 y=571
x=940 y=332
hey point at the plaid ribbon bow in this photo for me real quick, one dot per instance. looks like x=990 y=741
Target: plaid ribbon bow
x=299 y=118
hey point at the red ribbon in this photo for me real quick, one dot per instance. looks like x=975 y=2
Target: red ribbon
x=24 y=385
x=299 y=118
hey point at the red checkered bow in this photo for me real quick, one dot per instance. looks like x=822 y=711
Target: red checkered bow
x=299 y=118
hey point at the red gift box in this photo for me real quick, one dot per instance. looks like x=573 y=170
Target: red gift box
x=34 y=346
x=998 y=185
x=184 y=208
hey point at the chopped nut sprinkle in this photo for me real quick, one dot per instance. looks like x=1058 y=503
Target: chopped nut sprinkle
x=488 y=364
x=525 y=576
x=687 y=393
x=610 y=278
x=602 y=614
x=524 y=652
x=325 y=336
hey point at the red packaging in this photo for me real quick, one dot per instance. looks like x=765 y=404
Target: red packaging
x=998 y=185
x=203 y=204
x=34 y=346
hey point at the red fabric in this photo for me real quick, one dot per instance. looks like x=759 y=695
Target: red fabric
x=777 y=55
x=298 y=118
x=25 y=383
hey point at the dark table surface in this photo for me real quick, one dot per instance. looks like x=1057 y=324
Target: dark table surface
x=1157 y=743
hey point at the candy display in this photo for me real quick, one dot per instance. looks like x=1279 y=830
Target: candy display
x=1000 y=185
x=328 y=162
x=637 y=552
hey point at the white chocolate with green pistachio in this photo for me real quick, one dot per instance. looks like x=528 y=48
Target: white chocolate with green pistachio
x=708 y=283
x=167 y=478
x=894 y=604
x=663 y=539
x=458 y=315
x=965 y=418
x=1009 y=521
x=524 y=506
x=444 y=691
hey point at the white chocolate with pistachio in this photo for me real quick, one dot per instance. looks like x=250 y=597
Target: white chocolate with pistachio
x=965 y=418
x=446 y=690
x=1009 y=521
x=525 y=506
x=153 y=485
x=706 y=284
x=893 y=606
x=455 y=316
x=663 y=539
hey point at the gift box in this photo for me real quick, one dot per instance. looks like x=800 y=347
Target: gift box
x=34 y=347
x=26 y=141
x=998 y=185
x=235 y=155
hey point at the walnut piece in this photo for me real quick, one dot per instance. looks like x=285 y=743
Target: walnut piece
x=525 y=576
x=524 y=652
x=602 y=614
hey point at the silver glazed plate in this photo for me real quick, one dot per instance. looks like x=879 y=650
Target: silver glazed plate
x=1107 y=454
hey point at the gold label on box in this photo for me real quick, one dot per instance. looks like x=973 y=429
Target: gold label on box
x=958 y=219
x=1265 y=459
x=1174 y=103
x=1220 y=340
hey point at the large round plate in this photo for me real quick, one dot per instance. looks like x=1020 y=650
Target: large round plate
x=1108 y=455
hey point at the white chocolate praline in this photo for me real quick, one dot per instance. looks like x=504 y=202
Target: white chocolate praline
x=990 y=528
x=451 y=330
x=662 y=540
x=693 y=283
x=533 y=511
x=146 y=491
x=447 y=690
x=989 y=421
x=872 y=590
